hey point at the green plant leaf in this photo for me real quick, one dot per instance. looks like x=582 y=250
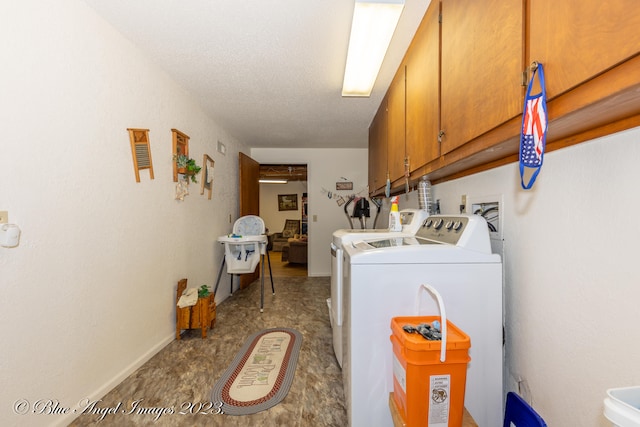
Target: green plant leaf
x=203 y=291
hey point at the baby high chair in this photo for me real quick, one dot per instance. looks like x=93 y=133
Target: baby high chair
x=242 y=251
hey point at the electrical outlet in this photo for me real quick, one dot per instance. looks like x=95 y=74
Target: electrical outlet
x=4 y=217
x=463 y=204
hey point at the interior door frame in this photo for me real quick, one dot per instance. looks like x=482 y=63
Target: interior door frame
x=249 y=199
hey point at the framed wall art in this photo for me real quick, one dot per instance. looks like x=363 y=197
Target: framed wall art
x=141 y=151
x=287 y=202
x=207 y=175
x=344 y=185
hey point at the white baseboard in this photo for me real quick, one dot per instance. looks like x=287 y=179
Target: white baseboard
x=107 y=387
x=319 y=274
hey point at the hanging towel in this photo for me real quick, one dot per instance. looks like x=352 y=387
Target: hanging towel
x=189 y=297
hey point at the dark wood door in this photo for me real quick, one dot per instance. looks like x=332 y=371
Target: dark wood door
x=249 y=201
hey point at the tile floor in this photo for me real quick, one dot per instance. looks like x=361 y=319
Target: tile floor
x=184 y=372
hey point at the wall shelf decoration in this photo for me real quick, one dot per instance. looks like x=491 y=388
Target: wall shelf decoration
x=207 y=175
x=287 y=202
x=180 y=146
x=141 y=151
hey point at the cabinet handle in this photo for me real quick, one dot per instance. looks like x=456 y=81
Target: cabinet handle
x=440 y=135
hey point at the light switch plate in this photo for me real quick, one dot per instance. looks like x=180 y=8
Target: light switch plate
x=4 y=217
x=222 y=149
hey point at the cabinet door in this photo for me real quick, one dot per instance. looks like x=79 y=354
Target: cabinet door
x=482 y=64
x=423 y=97
x=396 y=126
x=378 y=149
x=576 y=40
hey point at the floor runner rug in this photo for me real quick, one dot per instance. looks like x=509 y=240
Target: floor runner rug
x=261 y=373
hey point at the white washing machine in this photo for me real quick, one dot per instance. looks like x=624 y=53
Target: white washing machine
x=381 y=279
x=411 y=220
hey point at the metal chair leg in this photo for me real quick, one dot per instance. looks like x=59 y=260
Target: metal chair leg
x=219 y=275
x=262 y=286
x=273 y=290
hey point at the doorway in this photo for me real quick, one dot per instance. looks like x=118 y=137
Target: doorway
x=283 y=207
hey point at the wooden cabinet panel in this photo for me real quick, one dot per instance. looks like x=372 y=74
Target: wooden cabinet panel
x=378 y=149
x=422 y=91
x=590 y=52
x=396 y=126
x=482 y=64
x=577 y=40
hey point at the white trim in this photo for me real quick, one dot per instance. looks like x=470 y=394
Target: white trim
x=115 y=381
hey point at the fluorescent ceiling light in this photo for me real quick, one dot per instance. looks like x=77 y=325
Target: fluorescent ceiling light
x=272 y=181
x=371 y=31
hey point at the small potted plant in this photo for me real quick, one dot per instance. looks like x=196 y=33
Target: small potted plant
x=187 y=166
x=203 y=291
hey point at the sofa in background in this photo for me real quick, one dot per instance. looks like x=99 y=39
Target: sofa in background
x=291 y=228
x=295 y=251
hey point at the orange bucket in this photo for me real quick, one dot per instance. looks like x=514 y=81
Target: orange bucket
x=428 y=391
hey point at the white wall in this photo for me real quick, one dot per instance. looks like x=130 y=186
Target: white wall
x=273 y=218
x=325 y=167
x=571 y=278
x=89 y=294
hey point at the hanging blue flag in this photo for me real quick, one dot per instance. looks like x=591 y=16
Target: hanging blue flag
x=534 y=129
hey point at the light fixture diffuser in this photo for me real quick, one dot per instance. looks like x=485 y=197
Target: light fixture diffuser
x=373 y=26
x=273 y=181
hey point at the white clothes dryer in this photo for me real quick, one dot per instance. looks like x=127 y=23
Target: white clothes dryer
x=452 y=253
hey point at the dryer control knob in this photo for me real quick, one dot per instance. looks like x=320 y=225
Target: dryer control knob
x=457 y=225
x=438 y=224
x=448 y=225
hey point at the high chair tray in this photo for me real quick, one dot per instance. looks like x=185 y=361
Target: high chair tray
x=243 y=239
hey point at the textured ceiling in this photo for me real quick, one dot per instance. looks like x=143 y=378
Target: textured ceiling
x=268 y=71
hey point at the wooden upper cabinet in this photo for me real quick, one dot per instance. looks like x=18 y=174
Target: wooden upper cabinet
x=465 y=70
x=422 y=91
x=482 y=65
x=378 y=149
x=576 y=40
x=396 y=126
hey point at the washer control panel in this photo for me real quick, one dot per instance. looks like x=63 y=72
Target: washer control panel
x=463 y=230
x=443 y=228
